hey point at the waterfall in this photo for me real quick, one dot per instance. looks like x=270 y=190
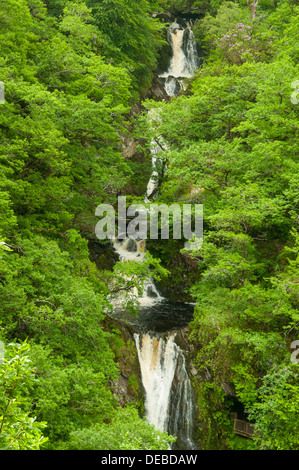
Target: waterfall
x=134 y=250
x=157 y=360
x=129 y=249
x=167 y=387
x=178 y=60
x=168 y=394
x=157 y=145
x=184 y=59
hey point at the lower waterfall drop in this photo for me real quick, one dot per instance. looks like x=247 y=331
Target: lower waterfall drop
x=168 y=393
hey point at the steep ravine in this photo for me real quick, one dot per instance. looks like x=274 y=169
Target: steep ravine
x=141 y=369
x=156 y=373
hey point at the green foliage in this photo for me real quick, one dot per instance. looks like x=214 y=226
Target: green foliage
x=133 y=384
x=72 y=71
x=232 y=146
x=71 y=395
x=276 y=412
x=187 y=7
x=61 y=123
x=19 y=430
x=214 y=430
x=241 y=443
x=243 y=43
x=132 y=37
x=209 y=28
x=230 y=33
x=126 y=432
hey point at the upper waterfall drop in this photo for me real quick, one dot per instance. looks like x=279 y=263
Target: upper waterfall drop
x=184 y=59
x=178 y=61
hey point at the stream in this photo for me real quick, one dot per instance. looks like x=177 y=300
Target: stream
x=169 y=403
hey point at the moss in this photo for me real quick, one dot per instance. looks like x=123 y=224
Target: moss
x=133 y=384
x=183 y=270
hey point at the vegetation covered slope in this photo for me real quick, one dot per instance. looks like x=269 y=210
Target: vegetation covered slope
x=233 y=146
x=68 y=88
x=72 y=71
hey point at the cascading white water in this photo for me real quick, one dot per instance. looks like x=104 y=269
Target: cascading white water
x=168 y=394
x=184 y=59
x=157 y=359
x=133 y=250
x=157 y=145
x=153 y=182
x=178 y=62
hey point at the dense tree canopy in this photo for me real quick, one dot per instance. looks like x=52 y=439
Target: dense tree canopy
x=73 y=72
x=232 y=146
x=69 y=83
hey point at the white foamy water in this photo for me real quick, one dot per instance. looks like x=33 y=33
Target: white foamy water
x=168 y=394
x=157 y=360
x=133 y=250
x=184 y=59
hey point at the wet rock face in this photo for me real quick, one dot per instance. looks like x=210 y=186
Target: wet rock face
x=151 y=293
x=157 y=91
x=131 y=246
x=128 y=387
x=160 y=317
x=102 y=255
x=123 y=392
x=181 y=423
x=163 y=15
x=163 y=65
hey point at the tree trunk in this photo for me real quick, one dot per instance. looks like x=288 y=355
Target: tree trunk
x=252 y=5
